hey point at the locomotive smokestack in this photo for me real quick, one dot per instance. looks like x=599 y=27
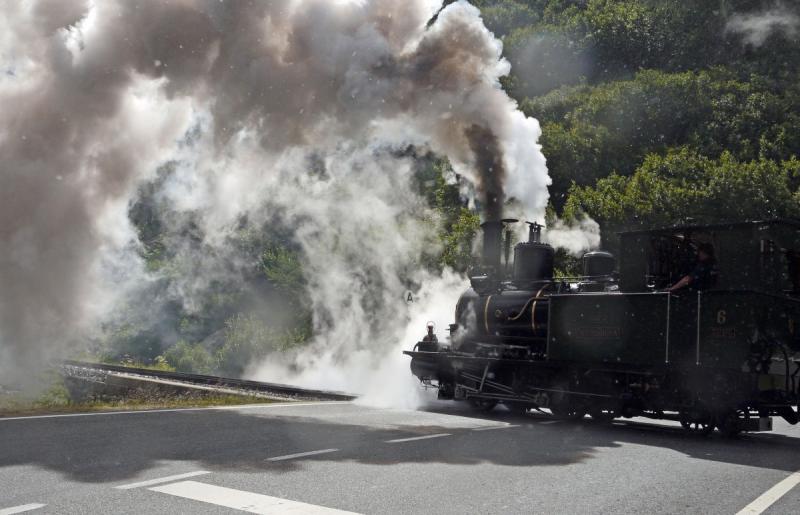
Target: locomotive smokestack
x=492 y=243
x=507 y=249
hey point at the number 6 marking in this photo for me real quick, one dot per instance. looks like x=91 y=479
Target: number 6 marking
x=722 y=317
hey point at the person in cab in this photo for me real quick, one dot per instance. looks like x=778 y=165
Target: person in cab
x=702 y=275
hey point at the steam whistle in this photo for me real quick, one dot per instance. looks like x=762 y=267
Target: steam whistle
x=534 y=232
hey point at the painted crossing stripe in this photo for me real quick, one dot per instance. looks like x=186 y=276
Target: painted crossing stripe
x=401 y=440
x=241 y=500
x=769 y=497
x=159 y=480
x=301 y=455
x=21 y=509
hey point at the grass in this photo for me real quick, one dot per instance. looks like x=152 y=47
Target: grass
x=158 y=364
x=56 y=399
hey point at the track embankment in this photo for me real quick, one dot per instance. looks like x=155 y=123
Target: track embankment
x=102 y=375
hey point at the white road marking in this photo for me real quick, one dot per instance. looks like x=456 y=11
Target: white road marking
x=550 y=422
x=495 y=427
x=175 y=410
x=241 y=500
x=301 y=454
x=769 y=497
x=21 y=509
x=401 y=440
x=159 y=480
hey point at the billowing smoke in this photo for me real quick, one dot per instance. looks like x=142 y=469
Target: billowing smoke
x=491 y=173
x=756 y=27
x=294 y=112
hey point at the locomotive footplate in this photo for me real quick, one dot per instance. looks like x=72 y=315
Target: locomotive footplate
x=530 y=384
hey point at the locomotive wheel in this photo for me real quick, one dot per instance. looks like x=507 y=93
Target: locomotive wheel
x=562 y=407
x=730 y=424
x=691 y=423
x=517 y=409
x=567 y=412
x=601 y=415
x=484 y=405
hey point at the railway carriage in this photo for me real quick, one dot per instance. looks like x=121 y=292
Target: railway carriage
x=614 y=343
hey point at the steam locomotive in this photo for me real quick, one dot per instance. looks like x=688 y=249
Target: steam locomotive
x=614 y=343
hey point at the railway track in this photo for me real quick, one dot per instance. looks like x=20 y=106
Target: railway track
x=199 y=379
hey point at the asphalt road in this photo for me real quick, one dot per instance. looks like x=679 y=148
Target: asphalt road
x=363 y=460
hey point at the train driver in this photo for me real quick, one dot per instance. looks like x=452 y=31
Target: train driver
x=702 y=275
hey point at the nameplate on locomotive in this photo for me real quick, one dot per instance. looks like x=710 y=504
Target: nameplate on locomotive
x=597 y=332
x=723 y=333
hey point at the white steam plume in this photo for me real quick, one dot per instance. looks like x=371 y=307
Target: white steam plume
x=756 y=27
x=240 y=97
x=577 y=237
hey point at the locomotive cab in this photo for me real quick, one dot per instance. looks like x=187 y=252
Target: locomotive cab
x=760 y=256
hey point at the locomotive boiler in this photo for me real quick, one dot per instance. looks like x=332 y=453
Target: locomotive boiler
x=613 y=342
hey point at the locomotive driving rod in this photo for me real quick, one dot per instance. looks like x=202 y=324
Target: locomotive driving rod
x=504 y=388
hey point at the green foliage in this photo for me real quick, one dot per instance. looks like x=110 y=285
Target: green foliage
x=128 y=339
x=503 y=17
x=614 y=81
x=457 y=225
x=282 y=267
x=190 y=358
x=248 y=339
x=622 y=36
x=128 y=360
x=684 y=185
x=566 y=265
x=55 y=395
x=57 y=399
x=610 y=128
x=457 y=240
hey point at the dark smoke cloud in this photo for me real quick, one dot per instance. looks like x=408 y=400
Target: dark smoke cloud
x=95 y=96
x=491 y=174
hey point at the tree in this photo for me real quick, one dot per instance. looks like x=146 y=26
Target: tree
x=190 y=358
x=683 y=186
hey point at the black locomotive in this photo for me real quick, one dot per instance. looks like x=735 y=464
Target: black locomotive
x=613 y=343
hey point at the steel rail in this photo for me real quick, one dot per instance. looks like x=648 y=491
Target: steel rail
x=200 y=379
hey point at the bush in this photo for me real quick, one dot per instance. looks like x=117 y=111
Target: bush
x=248 y=340
x=190 y=358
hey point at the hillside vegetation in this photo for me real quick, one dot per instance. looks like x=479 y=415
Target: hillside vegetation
x=657 y=112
